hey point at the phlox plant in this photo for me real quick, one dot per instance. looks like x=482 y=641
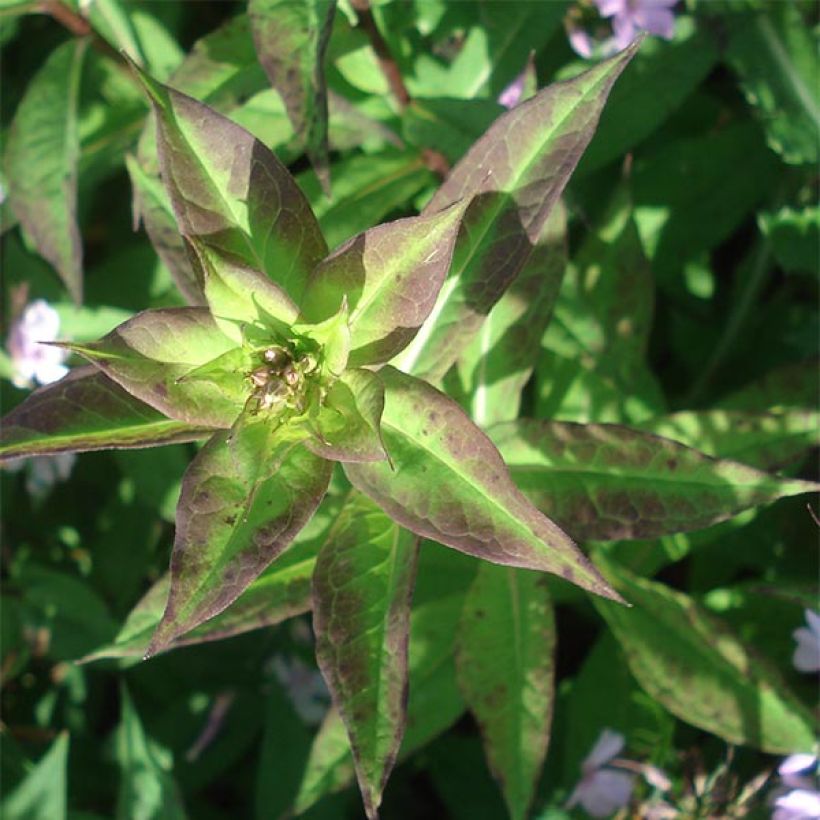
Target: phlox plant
x=357 y=409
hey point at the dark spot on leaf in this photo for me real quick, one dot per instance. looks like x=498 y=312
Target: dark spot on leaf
x=671 y=463
x=480 y=613
x=230 y=520
x=568 y=573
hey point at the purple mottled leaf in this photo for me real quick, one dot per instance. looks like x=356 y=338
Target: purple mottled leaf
x=87 y=411
x=153 y=355
x=229 y=191
x=348 y=424
x=291 y=40
x=449 y=483
x=390 y=275
x=233 y=519
x=504 y=659
x=605 y=481
x=513 y=176
x=41 y=159
x=362 y=586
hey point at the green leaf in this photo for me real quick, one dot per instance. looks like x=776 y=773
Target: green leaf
x=792 y=385
x=768 y=441
x=498 y=361
x=606 y=482
x=774 y=52
x=147 y=789
x=348 y=426
x=231 y=192
x=523 y=162
x=362 y=586
x=291 y=40
x=151 y=354
x=41 y=162
x=87 y=411
x=239 y=509
x=42 y=794
x=505 y=671
x=450 y=484
x=696 y=667
x=390 y=276
x=794 y=237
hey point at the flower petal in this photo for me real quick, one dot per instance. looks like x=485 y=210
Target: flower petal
x=800 y=804
x=608 y=745
x=624 y=29
x=813 y=620
x=796 y=764
x=609 y=8
x=806 y=656
x=658 y=21
x=581 y=43
x=606 y=792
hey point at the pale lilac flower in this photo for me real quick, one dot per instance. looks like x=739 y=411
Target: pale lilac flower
x=511 y=95
x=581 y=42
x=32 y=361
x=802 y=800
x=632 y=16
x=806 y=656
x=305 y=687
x=602 y=791
x=42 y=472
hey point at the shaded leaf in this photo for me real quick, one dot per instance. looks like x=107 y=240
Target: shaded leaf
x=153 y=355
x=390 y=276
x=505 y=671
x=239 y=510
x=42 y=794
x=450 y=484
x=362 y=586
x=699 y=670
x=147 y=789
x=291 y=40
x=792 y=385
x=41 y=162
x=604 y=481
x=768 y=441
x=87 y=411
x=348 y=426
x=512 y=177
x=231 y=192
x=794 y=236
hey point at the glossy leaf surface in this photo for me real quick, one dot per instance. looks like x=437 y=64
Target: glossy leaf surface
x=362 y=586
x=450 y=484
x=606 y=482
x=505 y=671
x=701 y=672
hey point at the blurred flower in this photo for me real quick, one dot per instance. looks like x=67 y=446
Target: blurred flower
x=511 y=95
x=802 y=801
x=632 y=16
x=32 y=361
x=42 y=472
x=806 y=656
x=305 y=687
x=602 y=791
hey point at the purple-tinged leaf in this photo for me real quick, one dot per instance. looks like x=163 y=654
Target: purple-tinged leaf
x=498 y=361
x=450 y=484
x=348 y=425
x=291 y=40
x=694 y=665
x=237 y=294
x=362 y=586
x=505 y=672
x=768 y=441
x=513 y=176
x=230 y=191
x=153 y=355
x=233 y=519
x=607 y=482
x=390 y=275
x=41 y=162
x=87 y=411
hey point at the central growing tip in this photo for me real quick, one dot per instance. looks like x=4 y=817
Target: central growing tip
x=284 y=379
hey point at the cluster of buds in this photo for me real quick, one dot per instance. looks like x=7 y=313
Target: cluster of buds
x=281 y=381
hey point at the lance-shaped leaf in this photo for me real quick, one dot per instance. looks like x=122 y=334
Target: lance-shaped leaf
x=41 y=162
x=43 y=792
x=390 y=275
x=231 y=192
x=348 y=424
x=291 y=40
x=764 y=440
x=605 y=481
x=237 y=294
x=695 y=666
x=498 y=361
x=154 y=356
x=87 y=411
x=505 y=672
x=450 y=484
x=232 y=523
x=514 y=175
x=362 y=586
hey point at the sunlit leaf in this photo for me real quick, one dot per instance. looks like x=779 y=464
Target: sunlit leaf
x=42 y=795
